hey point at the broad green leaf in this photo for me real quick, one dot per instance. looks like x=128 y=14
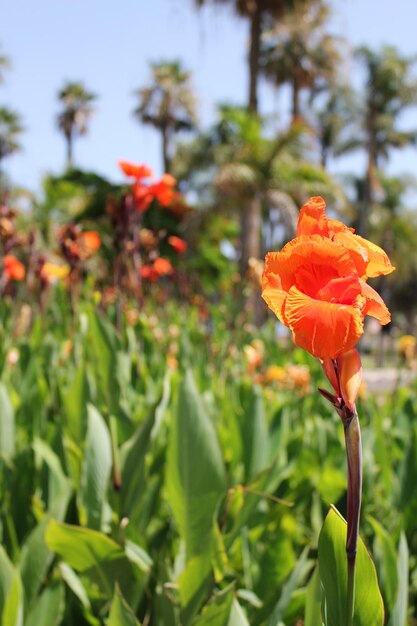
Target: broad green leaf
x=386 y=557
x=101 y=352
x=7 y=427
x=99 y=559
x=195 y=477
x=59 y=486
x=74 y=402
x=217 y=611
x=13 y=606
x=96 y=470
x=35 y=560
x=6 y=577
x=312 y=615
x=194 y=584
x=49 y=609
x=369 y=609
x=237 y=616
x=254 y=433
x=133 y=454
x=74 y=583
x=120 y=612
x=399 y=612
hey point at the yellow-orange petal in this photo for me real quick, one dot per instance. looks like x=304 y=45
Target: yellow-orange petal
x=275 y=299
x=378 y=261
x=324 y=329
x=350 y=376
x=312 y=219
x=357 y=252
x=374 y=304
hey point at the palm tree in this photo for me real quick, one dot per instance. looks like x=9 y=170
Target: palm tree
x=10 y=130
x=76 y=112
x=168 y=104
x=300 y=53
x=390 y=90
x=4 y=65
x=259 y=13
x=335 y=120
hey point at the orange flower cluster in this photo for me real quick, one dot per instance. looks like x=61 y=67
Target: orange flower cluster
x=163 y=191
x=317 y=284
x=160 y=267
x=76 y=245
x=13 y=269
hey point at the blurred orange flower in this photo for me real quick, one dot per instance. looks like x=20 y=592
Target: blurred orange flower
x=316 y=284
x=178 y=244
x=88 y=243
x=163 y=191
x=162 y=267
x=135 y=171
x=13 y=269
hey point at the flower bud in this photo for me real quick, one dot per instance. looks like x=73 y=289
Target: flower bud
x=350 y=376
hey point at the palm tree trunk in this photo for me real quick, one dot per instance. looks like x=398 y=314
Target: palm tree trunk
x=70 y=148
x=250 y=233
x=165 y=149
x=255 y=41
x=295 y=99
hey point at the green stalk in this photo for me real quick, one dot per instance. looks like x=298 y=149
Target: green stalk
x=354 y=462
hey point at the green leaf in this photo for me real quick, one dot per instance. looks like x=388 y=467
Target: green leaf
x=59 y=486
x=312 y=616
x=399 y=612
x=49 y=609
x=74 y=402
x=217 y=611
x=195 y=477
x=99 y=559
x=369 y=608
x=102 y=346
x=7 y=435
x=120 y=612
x=298 y=574
x=96 y=469
x=194 y=584
x=13 y=606
x=6 y=577
x=254 y=433
x=386 y=556
x=35 y=560
x=237 y=616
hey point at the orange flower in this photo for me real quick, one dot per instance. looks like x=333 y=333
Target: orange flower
x=142 y=195
x=162 y=267
x=178 y=244
x=163 y=191
x=316 y=284
x=13 y=269
x=88 y=242
x=135 y=171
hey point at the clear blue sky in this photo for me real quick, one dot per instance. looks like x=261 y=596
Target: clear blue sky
x=108 y=45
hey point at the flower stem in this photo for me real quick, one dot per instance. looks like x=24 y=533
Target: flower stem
x=354 y=462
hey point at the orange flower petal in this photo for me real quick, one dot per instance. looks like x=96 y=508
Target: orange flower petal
x=312 y=219
x=325 y=329
x=378 y=261
x=350 y=376
x=374 y=305
x=135 y=171
x=275 y=299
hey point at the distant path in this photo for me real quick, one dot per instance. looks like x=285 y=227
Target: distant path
x=387 y=378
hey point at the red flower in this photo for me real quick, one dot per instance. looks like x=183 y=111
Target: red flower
x=135 y=171
x=13 y=269
x=178 y=244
